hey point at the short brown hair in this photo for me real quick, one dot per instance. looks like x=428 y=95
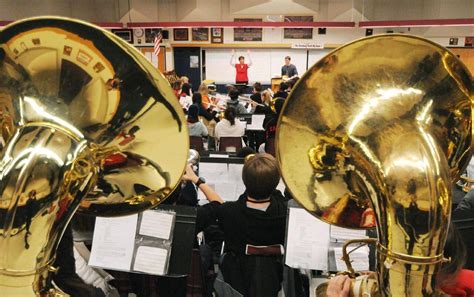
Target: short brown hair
x=257 y=86
x=260 y=176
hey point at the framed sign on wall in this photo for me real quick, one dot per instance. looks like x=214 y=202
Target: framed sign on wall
x=217 y=35
x=125 y=34
x=248 y=34
x=298 y=33
x=180 y=34
x=200 y=34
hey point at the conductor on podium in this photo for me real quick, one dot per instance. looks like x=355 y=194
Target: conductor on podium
x=241 y=68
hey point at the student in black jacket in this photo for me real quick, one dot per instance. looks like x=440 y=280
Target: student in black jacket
x=208 y=114
x=467 y=203
x=283 y=91
x=257 y=218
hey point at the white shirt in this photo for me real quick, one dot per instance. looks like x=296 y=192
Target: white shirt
x=185 y=101
x=225 y=129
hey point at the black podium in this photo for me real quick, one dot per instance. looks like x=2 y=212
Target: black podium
x=242 y=88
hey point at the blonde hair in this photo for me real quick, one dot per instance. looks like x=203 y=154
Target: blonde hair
x=184 y=79
x=266 y=97
x=203 y=89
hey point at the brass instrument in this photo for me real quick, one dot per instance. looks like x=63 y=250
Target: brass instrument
x=249 y=100
x=382 y=124
x=87 y=123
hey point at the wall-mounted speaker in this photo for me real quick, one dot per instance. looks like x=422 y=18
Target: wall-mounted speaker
x=369 y=32
x=165 y=34
x=322 y=31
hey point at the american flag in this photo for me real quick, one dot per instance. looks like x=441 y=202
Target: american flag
x=158 y=38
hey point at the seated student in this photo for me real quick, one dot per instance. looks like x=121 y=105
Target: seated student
x=185 y=80
x=270 y=123
x=234 y=102
x=452 y=278
x=177 y=88
x=257 y=92
x=195 y=127
x=467 y=203
x=257 y=97
x=229 y=126
x=185 y=99
x=206 y=100
x=186 y=90
x=66 y=278
x=266 y=99
x=283 y=91
x=257 y=218
x=205 y=113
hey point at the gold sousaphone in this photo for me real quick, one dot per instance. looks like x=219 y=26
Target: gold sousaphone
x=382 y=125
x=86 y=123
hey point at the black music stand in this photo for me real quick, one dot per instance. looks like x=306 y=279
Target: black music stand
x=242 y=88
x=184 y=237
x=180 y=258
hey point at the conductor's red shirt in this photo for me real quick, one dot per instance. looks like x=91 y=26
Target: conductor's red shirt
x=241 y=72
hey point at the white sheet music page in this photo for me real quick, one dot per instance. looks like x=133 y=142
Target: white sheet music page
x=307 y=241
x=151 y=260
x=342 y=234
x=113 y=242
x=257 y=122
x=359 y=258
x=156 y=224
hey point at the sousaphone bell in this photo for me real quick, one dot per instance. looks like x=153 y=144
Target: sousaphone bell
x=382 y=125
x=87 y=123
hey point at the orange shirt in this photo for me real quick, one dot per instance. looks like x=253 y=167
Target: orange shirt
x=205 y=102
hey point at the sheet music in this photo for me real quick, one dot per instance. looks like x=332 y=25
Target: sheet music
x=343 y=234
x=151 y=260
x=156 y=224
x=218 y=176
x=257 y=122
x=113 y=242
x=359 y=258
x=307 y=241
x=218 y=156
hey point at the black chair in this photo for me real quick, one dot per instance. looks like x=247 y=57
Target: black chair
x=196 y=143
x=230 y=144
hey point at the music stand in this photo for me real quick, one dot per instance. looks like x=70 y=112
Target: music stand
x=184 y=237
x=242 y=88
